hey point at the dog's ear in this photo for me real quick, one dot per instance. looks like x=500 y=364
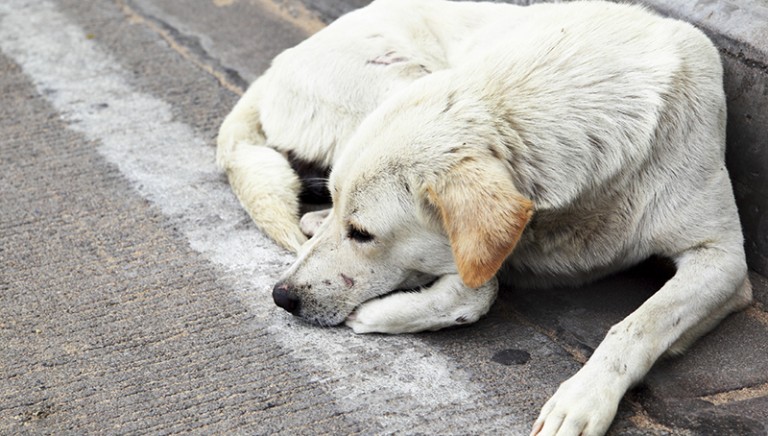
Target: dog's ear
x=482 y=213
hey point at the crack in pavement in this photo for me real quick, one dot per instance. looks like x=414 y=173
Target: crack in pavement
x=742 y=394
x=187 y=47
x=293 y=12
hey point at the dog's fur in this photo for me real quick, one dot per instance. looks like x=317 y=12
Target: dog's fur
x=555 y=143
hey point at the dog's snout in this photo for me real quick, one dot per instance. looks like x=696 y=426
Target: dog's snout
x=283 y=296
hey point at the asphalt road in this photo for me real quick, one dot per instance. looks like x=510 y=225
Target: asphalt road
x=135 y=292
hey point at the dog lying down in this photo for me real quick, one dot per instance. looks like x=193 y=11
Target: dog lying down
x=554 y=143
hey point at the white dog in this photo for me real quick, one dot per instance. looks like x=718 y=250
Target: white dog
x=556 y=143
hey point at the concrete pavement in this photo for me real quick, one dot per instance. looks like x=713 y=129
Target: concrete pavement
x=134 y=292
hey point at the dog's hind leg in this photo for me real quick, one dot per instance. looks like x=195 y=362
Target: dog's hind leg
x=268 y=189
x=261 y=177
x=448 y=302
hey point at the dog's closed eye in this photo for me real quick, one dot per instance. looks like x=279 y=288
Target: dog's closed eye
x=358 y=234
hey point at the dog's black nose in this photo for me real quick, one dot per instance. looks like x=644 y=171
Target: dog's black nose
x=284 y=298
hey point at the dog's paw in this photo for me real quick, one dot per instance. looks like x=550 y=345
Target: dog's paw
x=446 y=303
x=583 y=405
x=402 y=313
x=311 y=221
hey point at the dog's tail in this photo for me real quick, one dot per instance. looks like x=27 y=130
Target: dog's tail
x=261 y=177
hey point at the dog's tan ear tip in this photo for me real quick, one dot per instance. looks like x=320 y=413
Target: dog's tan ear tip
x=478 y=263
x=526 y=207
x=474 y=275
x=474 y=281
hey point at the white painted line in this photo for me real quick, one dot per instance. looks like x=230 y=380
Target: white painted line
x=172 y=167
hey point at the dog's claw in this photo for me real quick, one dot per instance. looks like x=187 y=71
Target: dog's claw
x=580 y=407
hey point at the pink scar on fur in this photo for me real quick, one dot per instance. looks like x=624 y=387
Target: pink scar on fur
x=348 y=280
x=387 y=59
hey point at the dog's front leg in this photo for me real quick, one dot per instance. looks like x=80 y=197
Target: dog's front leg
x=709 y=284
x=448 y=302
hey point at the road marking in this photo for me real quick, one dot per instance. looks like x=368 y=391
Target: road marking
x=392 y=382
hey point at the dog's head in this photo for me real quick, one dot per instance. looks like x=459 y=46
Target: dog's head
x=405 y=212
